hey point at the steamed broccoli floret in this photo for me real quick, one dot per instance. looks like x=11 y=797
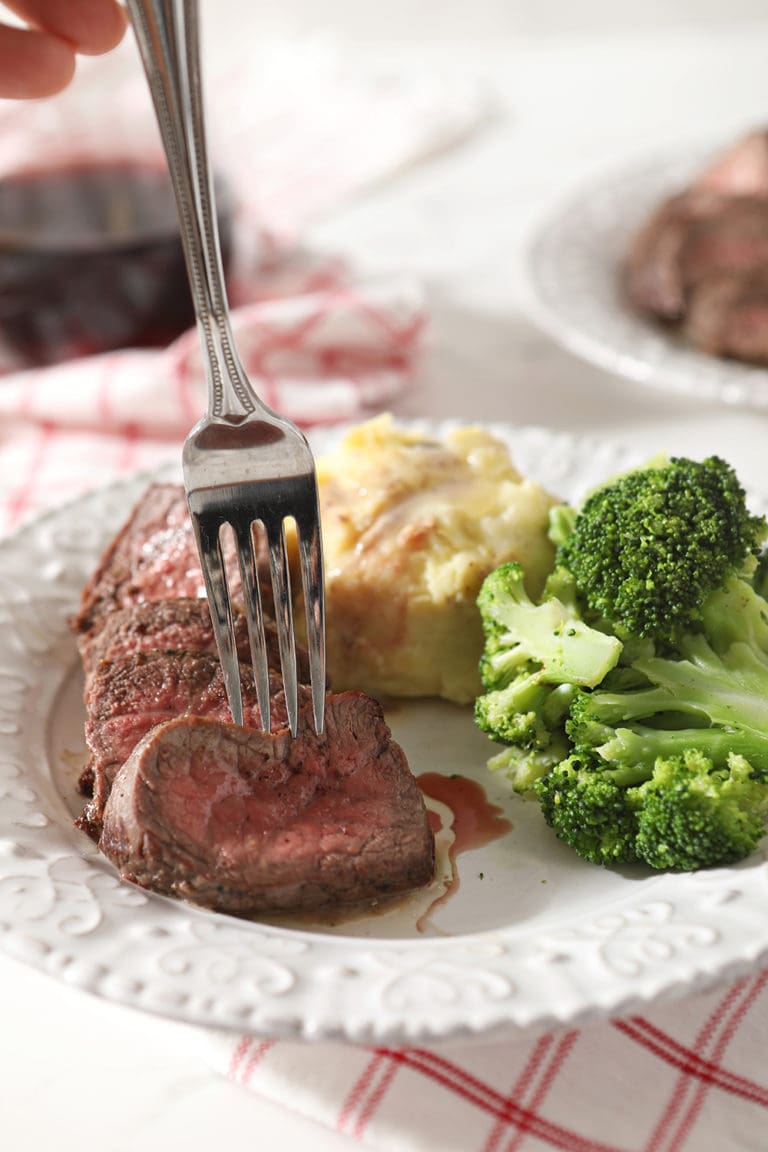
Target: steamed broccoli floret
x=536 y=656
x=631 y=752
x=665 y=751
x=692 y=815
x=648 y=548
x=685 y=705
x=695 y=697
x=596 y=716
x=589 y=811
x=760 y=575
x=691 y=707
x=737 y=613
x=525 y=712
x=561 y=520
x=549 y=636
x=686 y=814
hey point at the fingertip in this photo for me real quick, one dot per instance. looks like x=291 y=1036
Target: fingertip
x=57 y=78
x=34 y=64
x=104 y=34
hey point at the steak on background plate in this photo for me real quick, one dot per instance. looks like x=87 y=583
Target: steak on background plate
x=245 y=822
x=701 y=260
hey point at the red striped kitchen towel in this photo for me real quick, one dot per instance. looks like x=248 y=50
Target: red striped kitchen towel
x=318 y=357
x=684 y=1077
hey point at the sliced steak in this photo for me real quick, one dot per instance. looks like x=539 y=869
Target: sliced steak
x=728 y=316
x=246 y=822
x=654 y=275
x=153 y=557
x=126 y=698
x=182 y=625
x=696 y=269
x=734 y=239
x=701 y=260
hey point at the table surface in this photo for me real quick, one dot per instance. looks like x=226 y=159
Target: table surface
x=570 y=105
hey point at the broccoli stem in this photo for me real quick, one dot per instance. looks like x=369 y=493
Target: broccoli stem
x=632 y=752
x=613 y=707
x=734 y=694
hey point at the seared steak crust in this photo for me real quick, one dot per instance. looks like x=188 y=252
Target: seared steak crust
x=153 y=557
x=246 y=822
x=174 y=626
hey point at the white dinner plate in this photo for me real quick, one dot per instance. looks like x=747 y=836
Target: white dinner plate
x=575 y=290
x=532 y=935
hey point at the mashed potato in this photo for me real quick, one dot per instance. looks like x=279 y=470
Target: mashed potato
x=411 y=526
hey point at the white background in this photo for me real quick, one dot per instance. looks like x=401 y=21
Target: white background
x=581 y=87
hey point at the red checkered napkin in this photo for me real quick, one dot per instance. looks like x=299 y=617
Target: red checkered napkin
x=688 y=1077
x=317 y=357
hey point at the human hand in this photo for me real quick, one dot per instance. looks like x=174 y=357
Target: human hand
x=39 y=59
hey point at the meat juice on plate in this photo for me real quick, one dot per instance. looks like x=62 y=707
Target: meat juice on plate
x=473 y=822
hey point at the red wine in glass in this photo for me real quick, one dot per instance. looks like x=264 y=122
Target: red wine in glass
x=91 y=260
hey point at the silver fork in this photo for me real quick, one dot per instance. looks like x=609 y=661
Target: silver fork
x=243 y=463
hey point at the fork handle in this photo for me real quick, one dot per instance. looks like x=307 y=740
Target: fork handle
x=167 y=32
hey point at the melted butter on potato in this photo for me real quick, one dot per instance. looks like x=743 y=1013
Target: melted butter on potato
x=411 y=526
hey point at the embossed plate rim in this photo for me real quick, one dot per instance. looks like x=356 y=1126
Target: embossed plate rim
x=63 y=910
x=572 y=288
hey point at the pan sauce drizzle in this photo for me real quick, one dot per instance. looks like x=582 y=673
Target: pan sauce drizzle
x=476 y=822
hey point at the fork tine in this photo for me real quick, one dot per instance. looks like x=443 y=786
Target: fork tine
x=214 y=574
x=244 y=530
x=281 y=586
x=311 y=556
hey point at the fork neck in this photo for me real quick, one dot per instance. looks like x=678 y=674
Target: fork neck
x=167 y=32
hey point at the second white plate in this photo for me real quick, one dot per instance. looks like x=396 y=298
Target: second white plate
x=574 y=278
